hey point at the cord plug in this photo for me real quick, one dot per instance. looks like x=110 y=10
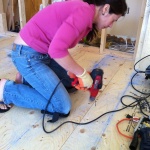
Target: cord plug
x=128 y=116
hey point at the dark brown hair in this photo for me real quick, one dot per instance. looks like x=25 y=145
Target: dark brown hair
x=118 y=7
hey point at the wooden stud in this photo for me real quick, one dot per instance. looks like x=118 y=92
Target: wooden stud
x=103 y=41
x=45 y=3
x=1 y=6
x=22 y=13
x=3 y=23
x=12 y=17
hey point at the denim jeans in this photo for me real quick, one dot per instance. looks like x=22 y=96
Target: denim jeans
x=40 y=83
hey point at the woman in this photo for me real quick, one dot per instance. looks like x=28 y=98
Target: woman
x=40 y=52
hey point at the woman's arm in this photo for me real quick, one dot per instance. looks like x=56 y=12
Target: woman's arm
x=69 y=64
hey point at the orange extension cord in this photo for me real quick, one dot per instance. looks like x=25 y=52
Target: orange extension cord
x=122 y=121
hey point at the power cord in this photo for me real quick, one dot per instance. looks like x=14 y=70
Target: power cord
x=136 y=74
x=85 y=122
x=138 y=102
x=117 y=126
x=44 y=113
x=141 y=101
x=122 y=47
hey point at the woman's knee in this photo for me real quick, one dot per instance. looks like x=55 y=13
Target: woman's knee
x=65 y=107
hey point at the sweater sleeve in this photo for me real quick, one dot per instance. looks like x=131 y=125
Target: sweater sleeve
x=69 y=32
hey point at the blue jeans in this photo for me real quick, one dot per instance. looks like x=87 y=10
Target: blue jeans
x=40 y=83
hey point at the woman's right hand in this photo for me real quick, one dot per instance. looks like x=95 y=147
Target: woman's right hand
x=70 y=65
x=85 y=80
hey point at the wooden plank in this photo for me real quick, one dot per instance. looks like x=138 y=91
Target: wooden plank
x=22 y=13
x=1 y=6
x=10 y=34
x=6 y=42
x=40 y=134
x=31 y=8
x=80 y=48
x=80 y=106
x=45 y=3
x=103 y=41
x=127 y=128
x=10 y=136
x=7 y=68
x=98 y=135
x=3 y=23
x=8 y=9
x=12 y=15
x=89 y=136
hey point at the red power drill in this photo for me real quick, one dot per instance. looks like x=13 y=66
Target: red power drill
x=97 y=76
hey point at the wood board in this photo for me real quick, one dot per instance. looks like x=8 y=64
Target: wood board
x=21 y=128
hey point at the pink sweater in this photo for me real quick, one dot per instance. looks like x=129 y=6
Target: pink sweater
x=58 y=27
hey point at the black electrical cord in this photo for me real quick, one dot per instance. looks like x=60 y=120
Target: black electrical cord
x=136 y=74
x=138 y=62
x=85 y=122
x=137 y=101
x=49 y=102
x=140 y=100
x=148 y=94
x=133 y=85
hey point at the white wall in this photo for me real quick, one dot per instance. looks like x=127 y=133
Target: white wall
x=144 y=40
x=128 y=25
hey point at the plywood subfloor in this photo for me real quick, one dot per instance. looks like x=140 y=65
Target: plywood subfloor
x=21 y=129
